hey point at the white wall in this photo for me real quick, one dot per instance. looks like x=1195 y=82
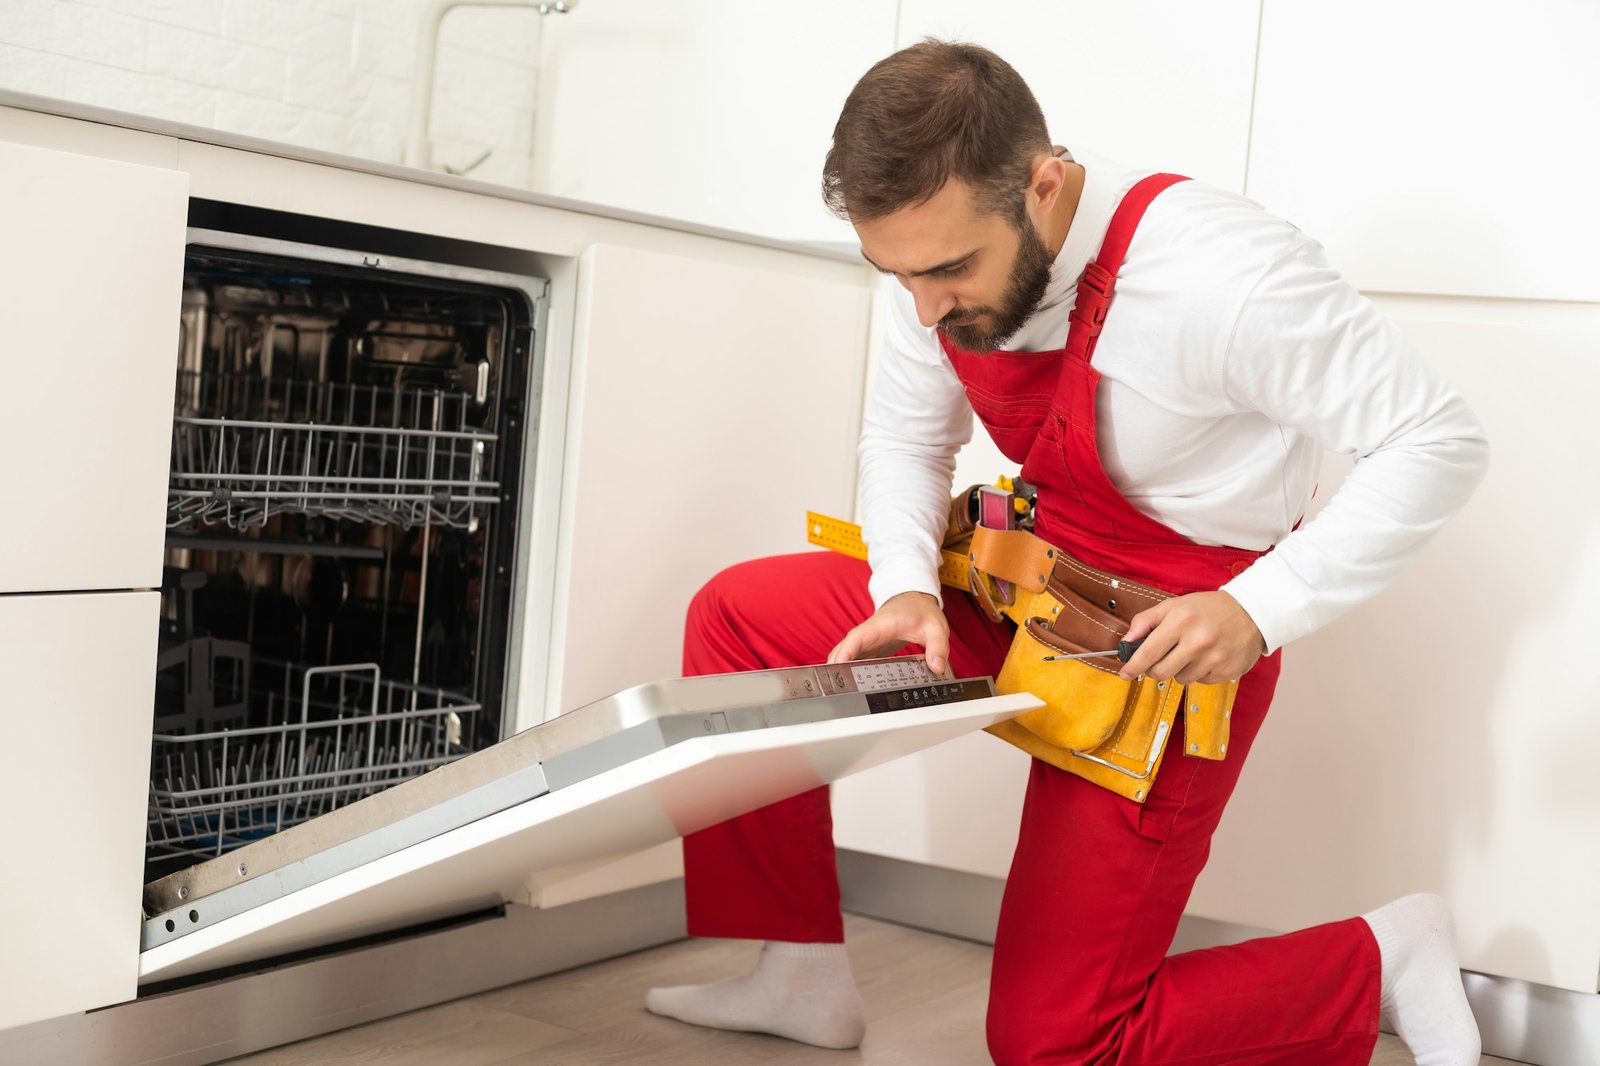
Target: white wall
x=328 y=74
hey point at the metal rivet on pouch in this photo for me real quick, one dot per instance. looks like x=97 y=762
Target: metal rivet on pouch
x=183 y=893
x=241 y=869
x=1139 y=795
x=1115 y=583
x=1111 y=605
x=1227 y=714
x=1194 y=708
x=1161 y=686
x=1223 y=749
x=1194 y=747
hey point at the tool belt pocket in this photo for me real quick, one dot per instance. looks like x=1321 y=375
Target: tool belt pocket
x=1096 y=724
x=1086 y=701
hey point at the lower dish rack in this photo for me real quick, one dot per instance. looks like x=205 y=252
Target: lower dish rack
x=335 y=734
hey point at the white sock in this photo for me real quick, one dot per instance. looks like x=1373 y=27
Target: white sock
x=800 y=991
x=1422 y=995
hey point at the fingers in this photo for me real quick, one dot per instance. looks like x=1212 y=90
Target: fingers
x=871 y=639
x=845 y=650
x=1158 y=640
x=894 y=626
x=936 y=643
x=1202 y=637
x=1145 y=622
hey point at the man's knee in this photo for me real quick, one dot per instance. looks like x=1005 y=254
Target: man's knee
x=729 y=594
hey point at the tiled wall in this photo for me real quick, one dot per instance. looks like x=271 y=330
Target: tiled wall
x=329 y=74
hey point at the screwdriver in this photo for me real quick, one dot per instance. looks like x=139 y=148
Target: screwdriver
x=1123 y=651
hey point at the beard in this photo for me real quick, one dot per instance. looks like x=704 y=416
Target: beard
x=1025 y=289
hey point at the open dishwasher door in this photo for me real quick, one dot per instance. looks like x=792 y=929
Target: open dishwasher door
x=633 y=770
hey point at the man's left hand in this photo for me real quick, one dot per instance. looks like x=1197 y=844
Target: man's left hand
x=1205 y=637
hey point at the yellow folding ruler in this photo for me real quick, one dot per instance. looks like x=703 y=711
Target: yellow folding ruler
x=845 y=538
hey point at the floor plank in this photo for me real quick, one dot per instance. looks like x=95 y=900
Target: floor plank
x=925 y=997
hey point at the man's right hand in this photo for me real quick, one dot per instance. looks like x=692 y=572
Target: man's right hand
x=909 y=618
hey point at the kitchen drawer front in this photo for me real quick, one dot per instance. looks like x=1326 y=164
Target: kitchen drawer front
x=91 y=276
x=77 y=682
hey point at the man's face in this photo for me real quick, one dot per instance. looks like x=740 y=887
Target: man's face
x=971 y=273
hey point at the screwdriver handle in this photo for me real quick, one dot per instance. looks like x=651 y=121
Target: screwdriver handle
x=1126 y=648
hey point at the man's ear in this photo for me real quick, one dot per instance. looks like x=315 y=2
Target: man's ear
x=1049 y=177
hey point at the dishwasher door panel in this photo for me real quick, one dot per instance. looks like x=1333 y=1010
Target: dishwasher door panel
x=76 y=674
x=91 y=275
x=641 y=802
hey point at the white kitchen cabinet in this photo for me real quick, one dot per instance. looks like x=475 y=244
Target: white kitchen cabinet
x=77 y=676
x=712 y=406
x=91 y=276
x=1435 y=147
x=686 y=109
x=1441 y=737
x=1164 y=86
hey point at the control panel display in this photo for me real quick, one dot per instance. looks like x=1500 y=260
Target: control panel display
x=900 y=673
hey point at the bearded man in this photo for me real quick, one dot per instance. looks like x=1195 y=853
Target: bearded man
x=1173 y=435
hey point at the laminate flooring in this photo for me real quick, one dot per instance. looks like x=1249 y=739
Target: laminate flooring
x=924 y=995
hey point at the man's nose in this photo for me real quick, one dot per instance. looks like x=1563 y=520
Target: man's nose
x=933 y=301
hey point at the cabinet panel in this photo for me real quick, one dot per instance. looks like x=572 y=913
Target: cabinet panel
x=77 y=680
x=1166 y=86
x=1441 y=738
x=91 y=272
x=732 y=104
x=713 y=405
x=1435 y=147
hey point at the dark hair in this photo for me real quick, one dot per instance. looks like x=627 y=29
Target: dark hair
x=931 y=112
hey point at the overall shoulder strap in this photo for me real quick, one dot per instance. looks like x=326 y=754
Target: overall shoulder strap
x=1099 y=281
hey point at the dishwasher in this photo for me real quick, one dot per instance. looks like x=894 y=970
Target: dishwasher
x=350 y=436
x=336 y=790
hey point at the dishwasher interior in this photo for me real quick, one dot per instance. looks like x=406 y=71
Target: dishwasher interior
x=349 y=446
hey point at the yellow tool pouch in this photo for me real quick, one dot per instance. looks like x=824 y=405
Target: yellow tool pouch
x=1094 y=723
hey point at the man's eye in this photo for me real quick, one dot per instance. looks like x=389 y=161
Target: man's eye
x=952 y=272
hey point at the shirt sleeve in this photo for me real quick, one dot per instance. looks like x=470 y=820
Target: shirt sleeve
x=917 y=418
x=1312 y=354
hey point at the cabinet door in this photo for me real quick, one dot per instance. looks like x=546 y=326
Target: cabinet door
x=713 y=404
x=77 y=677
x=1441 y=738
x=1453 y=162
x=91 y=269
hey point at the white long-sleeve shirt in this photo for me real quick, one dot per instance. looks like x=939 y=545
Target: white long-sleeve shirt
x=1231 y=356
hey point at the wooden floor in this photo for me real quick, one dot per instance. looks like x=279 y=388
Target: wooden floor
x=924 y=996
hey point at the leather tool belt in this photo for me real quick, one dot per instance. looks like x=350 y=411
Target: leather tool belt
x=1094 y=724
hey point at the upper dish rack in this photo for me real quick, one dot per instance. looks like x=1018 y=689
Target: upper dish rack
x=246 y=447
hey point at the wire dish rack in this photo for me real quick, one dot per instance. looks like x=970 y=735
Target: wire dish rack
x=338 y=733
x=246 y=447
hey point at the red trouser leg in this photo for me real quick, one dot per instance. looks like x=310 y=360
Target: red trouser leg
x=770 y=874
x=1095 y=893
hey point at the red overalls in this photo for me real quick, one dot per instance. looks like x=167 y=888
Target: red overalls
x=1098 y=882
